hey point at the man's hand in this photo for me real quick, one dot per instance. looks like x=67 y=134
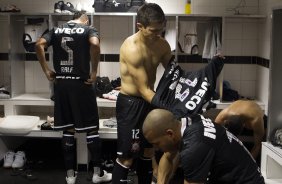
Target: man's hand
x=50 y=75
x=220 y=55
x=91 y=80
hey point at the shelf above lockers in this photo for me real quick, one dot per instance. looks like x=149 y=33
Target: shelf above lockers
x=44 y=99
x=17 y=104
x=104 y=132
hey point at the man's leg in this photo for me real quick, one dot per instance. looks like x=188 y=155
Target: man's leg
x=94 y=147
x=120 y=170
x=68 y=146
x=144 y=167
x=155 y=170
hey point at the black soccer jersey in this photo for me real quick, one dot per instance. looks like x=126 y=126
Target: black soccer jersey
x=184 y=92
x=211 y=154
x=71 y=46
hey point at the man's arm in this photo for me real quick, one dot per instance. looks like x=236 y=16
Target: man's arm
x=186 y=182
x=221 y=117
x=39 y=48
x=168 y=57
x=258 y=130
x=167 y=166
x=95 y=58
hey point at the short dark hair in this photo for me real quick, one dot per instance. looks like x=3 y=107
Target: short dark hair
x=150 y=12
x=235 y=124
x=78 y=14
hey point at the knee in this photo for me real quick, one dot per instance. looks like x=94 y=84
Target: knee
x=94 y=132
x=68 y=141
x=149 y=152
x=125 y=162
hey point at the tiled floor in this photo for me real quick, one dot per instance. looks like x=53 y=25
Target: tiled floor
x=44 y=166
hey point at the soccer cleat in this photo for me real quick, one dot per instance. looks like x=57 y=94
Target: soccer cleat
x=58 y=7
x=101 y=179
x=68 y=8
x=9 y=159
x=112 y=95
x=19 y=160
x=10 y=8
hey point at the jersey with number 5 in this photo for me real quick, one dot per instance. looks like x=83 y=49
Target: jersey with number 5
x=71 y=49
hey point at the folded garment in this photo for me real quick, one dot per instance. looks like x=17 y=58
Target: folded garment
x=110 y=123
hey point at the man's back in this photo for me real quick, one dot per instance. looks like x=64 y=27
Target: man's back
x=71 y=48
x=210 y=151
x=250 y=112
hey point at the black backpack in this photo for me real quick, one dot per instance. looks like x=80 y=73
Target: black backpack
x=102 y=86
x=28 y=43
x=117 y=5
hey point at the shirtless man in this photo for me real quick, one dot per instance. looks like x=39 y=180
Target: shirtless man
x=140 y=55
x=203 y=148
x=244 y=114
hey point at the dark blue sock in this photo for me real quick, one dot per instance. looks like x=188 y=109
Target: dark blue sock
x=68 y=145
x=119 y=174
x=144 y=170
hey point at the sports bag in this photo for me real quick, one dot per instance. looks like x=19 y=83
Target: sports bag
x=117 y=5
x=276 y=137
x=102 y=86
x=33 y=30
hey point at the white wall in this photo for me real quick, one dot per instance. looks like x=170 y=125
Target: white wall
x=265 y=47
x=242 y=38
x=218 y=7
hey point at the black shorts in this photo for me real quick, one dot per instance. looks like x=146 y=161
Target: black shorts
x=75 y=106
x=131 y=112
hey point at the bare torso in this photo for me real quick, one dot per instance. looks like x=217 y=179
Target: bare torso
x=139 y=61
x=250 y=112
x=251 y=116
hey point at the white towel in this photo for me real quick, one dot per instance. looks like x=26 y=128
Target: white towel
x=170 y=34
x=212 y=41
x=188 y=35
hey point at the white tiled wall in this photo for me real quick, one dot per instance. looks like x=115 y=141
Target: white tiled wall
x=242 y=38
x=114 y=30
x=35 y=79
x=110 y=69
x=242 y=78
x=265 y=8
x=263 y=85
x=5 y=74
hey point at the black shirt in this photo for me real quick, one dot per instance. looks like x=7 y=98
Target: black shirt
x=211 y=154
x=71 y=49
x=184 y=92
